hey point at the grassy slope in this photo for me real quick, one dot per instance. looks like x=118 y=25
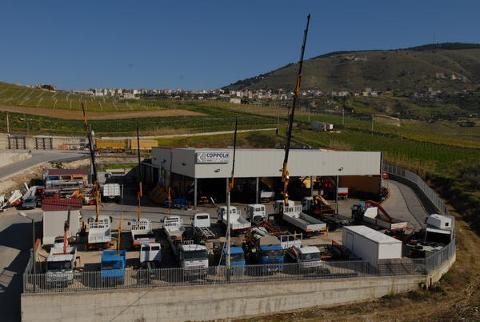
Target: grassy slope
x=397 y=69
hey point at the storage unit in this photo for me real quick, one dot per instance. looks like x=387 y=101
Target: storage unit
x=54 y=222
x=371 y=245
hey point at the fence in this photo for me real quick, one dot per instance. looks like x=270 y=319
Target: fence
x=141 y=278
x=164 y=277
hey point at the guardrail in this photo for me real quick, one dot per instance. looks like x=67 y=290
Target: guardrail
x=166 y=277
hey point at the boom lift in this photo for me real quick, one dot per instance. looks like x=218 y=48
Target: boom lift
x=99 y=228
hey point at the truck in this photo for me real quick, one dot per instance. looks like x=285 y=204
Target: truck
x=267 y=195
x=193 y=258
x=262 y=248
x=201 y=225
x=293 y=215
x=150 y=254
x=111 y=192
x=256 y=213
x=306 y=257
x=113 y=264
x=372 y=213
x=439 y=228
x=238 y=224
x=99 y=232
x=60 y=265
x=141 y=232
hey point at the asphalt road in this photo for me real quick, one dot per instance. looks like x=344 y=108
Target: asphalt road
x=39 y=157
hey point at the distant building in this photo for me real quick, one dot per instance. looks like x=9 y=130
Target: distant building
x=235 y=100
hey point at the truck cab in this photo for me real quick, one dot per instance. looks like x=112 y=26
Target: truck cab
x=193 y=258
x=150 y=253
x=256 y=213
x=201 y=220
x=60 y=265
x=237 y=222
x=305 y=256
x=265 y=249
x=237 y=256
x=113 y=264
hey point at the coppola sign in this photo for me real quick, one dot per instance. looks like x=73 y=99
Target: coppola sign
x=213 y=157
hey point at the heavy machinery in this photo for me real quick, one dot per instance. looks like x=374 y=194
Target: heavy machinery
x=372 y=213
x=141 y=228
x=262 y=248
x=99 y=228
x=293 y=215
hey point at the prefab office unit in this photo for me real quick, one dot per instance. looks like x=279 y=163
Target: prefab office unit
x=371 y=245
x=54 y=223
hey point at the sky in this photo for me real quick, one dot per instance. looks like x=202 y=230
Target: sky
x=202 y=44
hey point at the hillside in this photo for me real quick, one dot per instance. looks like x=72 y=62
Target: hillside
x=449 y=66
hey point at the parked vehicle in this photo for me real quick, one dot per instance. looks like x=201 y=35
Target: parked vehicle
x=99 y=232
x=372 y=213
x=150 y=254
x=60 y=265
x=142 y=232
x=267 y=195
x=201 y=225
x=256 y=213
x=193 y=258
x=112 y=192
x=238 y=224
x=307 y=257
x=293 y=215
x=263 y=248
x=113 y=264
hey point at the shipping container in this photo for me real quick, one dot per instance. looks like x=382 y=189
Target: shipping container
x=54 y=224
x=371 y=245
x=111 y=144
x=145 y=144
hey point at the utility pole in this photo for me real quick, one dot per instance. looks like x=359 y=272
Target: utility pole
x=343 y=116
x=229 y=189
x=8 y=124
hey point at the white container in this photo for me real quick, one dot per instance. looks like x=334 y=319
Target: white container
x=54 y=224
x=371 y=245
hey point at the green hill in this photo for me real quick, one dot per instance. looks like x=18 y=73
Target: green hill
x=448 y=66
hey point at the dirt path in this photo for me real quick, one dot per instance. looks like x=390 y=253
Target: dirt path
x=77 y=115
x=456 y=297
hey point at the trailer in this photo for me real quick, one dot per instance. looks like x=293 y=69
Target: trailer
x=293 y=215
x=371 y=245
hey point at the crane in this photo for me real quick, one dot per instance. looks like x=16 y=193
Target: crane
x=291 y=114
x=96 y=186
x=229 y=190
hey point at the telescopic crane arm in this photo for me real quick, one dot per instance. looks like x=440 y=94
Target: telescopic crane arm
x=140 y=177
x=291 y=114
x=96 y=187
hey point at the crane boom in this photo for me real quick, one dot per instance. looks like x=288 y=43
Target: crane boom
x=140 y=178
x=291 y=114
x=96 y=187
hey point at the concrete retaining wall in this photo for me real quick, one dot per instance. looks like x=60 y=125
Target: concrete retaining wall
x=7 y=157
x=209 y=302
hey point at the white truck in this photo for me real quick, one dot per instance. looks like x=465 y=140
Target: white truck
x=373 y=217
x=111 y=192
x=256 y=213
x=141 y=232
x=238 y=224
x=267 y=195
x=306 y=257
x=60 y=265
x=202 y=224
x=193 y=258
x=439 y=228
x=150 y=254
x=99 y=232
x=293 y=215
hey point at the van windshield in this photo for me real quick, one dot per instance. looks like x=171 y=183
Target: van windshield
x=310 y=257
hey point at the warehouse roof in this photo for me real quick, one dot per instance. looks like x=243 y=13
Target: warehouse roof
x=372 y=234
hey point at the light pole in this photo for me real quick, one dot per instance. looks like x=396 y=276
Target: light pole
x=336 y=188
x=33 y=240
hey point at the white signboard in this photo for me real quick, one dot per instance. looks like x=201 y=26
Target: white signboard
x=213 y=157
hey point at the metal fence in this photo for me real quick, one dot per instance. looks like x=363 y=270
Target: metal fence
x=422 y=186
x=167 y=277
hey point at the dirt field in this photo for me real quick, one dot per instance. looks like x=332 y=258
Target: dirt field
x=455 y=298
x=77 y=115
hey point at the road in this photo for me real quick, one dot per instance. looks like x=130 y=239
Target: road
x=403 y=204
x=39 y=157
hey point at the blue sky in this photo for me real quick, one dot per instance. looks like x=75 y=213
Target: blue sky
x=205 y=44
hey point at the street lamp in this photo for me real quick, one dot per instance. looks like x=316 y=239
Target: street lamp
x=33 y=240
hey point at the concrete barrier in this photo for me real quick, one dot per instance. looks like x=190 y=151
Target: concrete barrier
x=209 y=302
x=7 y=157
